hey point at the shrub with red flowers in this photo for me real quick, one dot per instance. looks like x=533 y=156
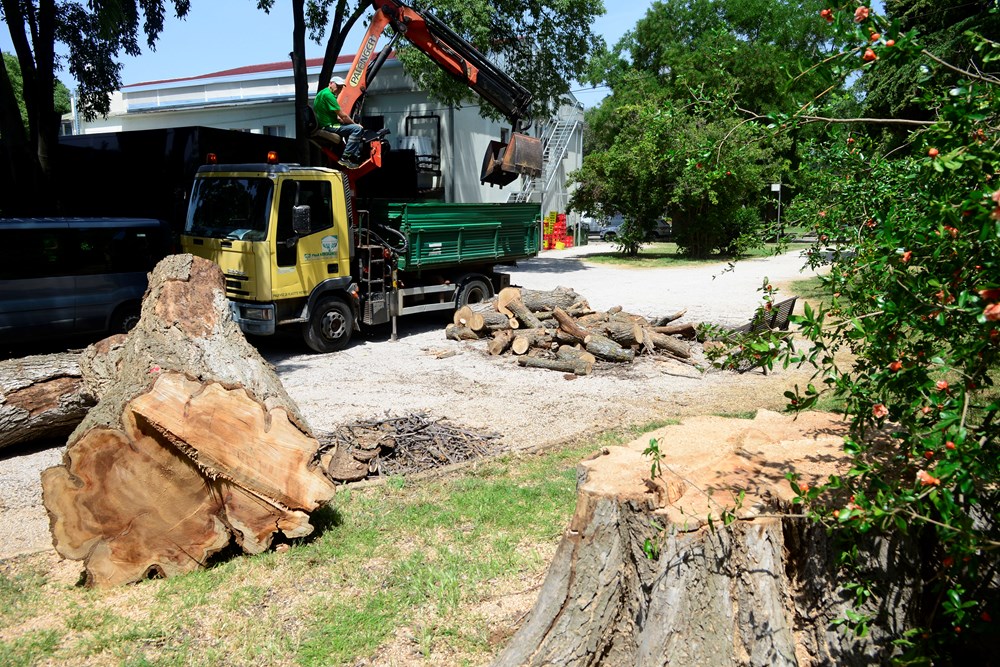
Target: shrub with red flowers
x=909 y=343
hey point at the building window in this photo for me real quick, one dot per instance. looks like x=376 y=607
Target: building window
x=66 y=128
x=274 y=130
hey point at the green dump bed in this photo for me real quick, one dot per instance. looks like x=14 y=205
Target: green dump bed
x=442 y=235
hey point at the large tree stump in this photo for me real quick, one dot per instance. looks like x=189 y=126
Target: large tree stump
x=194 y=442
x=642 y=579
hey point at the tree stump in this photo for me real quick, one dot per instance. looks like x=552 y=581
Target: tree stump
x=194 y=443
x=641 y=578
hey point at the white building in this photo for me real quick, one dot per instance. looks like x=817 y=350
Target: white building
x=450 y=141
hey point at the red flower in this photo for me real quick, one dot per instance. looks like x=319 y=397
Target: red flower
x=907 y=255
x=860 y=14
x=880 y=411
x=942 y=385
x=992 y=294
x=926 y=479
x=992 y=312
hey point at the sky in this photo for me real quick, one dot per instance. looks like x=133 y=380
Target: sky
x=225 y=34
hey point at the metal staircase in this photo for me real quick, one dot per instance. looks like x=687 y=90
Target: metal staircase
x=555 y=145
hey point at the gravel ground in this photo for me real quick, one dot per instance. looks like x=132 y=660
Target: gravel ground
x=424 y=372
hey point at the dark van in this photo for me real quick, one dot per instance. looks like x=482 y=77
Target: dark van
x=63 y=277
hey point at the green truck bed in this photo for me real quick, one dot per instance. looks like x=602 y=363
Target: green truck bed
x=443 y=235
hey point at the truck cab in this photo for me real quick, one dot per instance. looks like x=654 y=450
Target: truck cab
x=282 y=235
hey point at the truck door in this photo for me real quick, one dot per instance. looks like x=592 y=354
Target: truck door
x=302 y=263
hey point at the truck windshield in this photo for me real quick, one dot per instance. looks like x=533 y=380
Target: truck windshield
x=230 y=208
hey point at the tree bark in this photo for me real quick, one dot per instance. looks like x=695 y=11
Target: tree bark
x=575 y=366
x=459 y=332
x=193 y=443
x=642 y=579
x=500 y=342
x=539 y=300
x=605 y=348
x=41 y=397
x=524 y=315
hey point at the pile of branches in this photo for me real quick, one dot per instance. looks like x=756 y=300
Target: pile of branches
x=400 y=445
x=558 y=330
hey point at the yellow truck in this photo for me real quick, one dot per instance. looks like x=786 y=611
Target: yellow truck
x=296 y=251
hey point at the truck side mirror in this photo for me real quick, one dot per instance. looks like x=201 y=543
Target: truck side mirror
x=301 y=219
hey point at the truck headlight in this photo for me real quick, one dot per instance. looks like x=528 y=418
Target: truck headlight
x=256 y=313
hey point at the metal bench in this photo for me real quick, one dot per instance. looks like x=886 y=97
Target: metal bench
x=776 y=319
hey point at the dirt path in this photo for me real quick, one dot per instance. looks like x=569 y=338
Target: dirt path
x=423 y=372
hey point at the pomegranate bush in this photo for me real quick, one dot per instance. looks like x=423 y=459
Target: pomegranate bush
x=909 y=342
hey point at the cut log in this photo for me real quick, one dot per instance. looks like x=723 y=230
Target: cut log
x=506 y=295
x=625 y=334
x=492 y=319
x=459 y=332
x=500 y=342
x=523 y=315
x=605 y=348
x=575 y=366
x=42 y=397
x=571 y=352
x=560 y=297
x=678 y=348
x=667 y=319
x=640 y=578
x=689 y=331
x=467 y=317
x=193 y=444
x=570 y=326
x=532 y=338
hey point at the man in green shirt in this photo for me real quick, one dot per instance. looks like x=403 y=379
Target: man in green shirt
x=332 y=118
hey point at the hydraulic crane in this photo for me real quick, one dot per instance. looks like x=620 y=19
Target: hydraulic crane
x=504 y=161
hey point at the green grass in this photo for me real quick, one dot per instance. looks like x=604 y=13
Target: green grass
x=416 y=556
x=659 y=255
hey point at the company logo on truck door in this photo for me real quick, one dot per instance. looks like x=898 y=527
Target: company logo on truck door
x=366 y=54
x=329 y=244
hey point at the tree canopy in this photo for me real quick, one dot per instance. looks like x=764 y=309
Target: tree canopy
x=93 y=34
x=684 y=82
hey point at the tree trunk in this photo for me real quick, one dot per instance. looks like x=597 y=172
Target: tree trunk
x=642 y=579
x=193 y=442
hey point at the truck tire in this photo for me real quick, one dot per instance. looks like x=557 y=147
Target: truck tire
x=473 y=291
x=124 y=318
x=330 y=325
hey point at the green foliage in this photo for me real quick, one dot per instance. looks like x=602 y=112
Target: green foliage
x=544 y=45
x=697 y=164
x=673 y=139
x=913 y=247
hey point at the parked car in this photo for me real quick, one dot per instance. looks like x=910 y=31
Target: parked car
x=68 y=276
x=611 y=230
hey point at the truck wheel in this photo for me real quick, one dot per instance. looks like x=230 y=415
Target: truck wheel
x=474 y=291
x=125 y=318
x=330 y=326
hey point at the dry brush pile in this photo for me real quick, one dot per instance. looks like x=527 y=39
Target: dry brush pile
x=559 y=330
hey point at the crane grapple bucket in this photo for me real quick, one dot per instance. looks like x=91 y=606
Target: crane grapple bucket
x=504 y=162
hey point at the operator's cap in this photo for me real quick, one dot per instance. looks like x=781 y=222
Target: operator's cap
x=338 y=80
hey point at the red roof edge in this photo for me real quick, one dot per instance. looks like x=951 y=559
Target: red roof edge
x=248 y=69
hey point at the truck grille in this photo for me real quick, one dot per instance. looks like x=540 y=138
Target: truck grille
x=236 y=286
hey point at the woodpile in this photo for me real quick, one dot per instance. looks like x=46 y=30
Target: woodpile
x=193 y=443
x=558 y=330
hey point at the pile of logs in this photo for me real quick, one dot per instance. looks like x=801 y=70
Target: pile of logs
x=558 y=330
